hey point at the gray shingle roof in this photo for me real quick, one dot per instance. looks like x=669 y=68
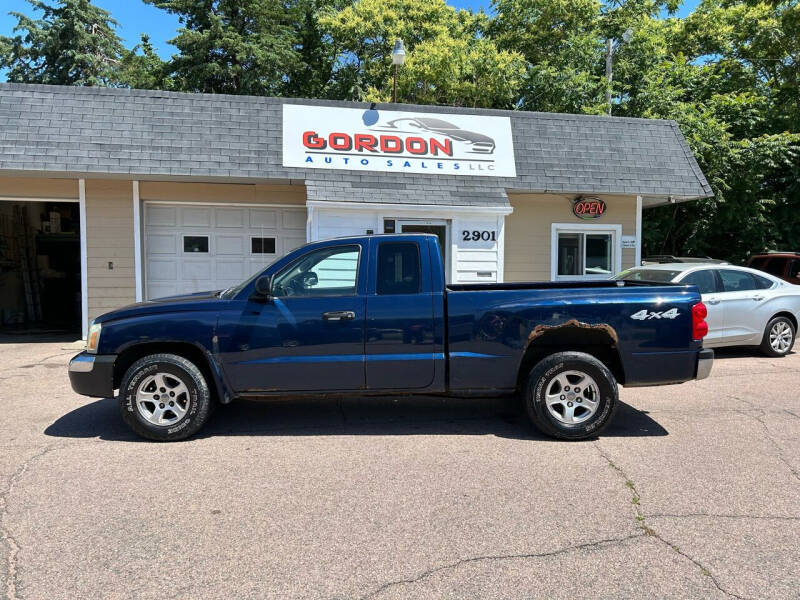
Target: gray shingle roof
x=153 y=134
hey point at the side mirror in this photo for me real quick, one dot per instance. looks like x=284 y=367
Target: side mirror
x=262 y=289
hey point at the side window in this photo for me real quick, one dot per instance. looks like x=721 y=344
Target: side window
x=794 y=269
x=775 y=266
x=704 y=280
x=324 y=272
x=737 y=281
x=763 y=282
x=398 y=268
x=758 y=263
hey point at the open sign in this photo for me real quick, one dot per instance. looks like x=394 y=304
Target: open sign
x=588 y=207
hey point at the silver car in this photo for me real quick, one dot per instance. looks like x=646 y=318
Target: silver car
x=745 y=307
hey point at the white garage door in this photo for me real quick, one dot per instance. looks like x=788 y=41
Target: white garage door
x=192 y=248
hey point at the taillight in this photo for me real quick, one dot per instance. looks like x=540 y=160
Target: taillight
x=699 y=325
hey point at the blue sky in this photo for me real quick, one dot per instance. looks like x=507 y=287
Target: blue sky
x=135 y=17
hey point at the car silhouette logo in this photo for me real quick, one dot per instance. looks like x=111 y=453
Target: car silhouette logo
x=477 y=142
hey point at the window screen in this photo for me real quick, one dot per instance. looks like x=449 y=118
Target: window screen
x=262 y=245
x=398 y=268
x=195 y=243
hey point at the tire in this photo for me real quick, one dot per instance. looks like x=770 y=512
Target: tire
x=571 y=415
x=164 y=377
x=778 y=337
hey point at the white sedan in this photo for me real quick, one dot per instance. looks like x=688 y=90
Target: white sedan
x=745 y=307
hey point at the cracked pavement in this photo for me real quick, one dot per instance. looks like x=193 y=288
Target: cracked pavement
x=693 y=492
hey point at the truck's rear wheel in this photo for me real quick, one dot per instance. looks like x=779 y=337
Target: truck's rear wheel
x=164 y=397
x=571 y=396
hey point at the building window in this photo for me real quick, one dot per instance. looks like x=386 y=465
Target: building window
x=262 y=245
x=585 y=251
x=195 y=243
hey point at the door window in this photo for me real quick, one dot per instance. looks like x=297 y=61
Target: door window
x=584 y=254
x=324 y=272
x=737 y=281
x=794 y=269
x=398 y=268
x=775 y=266
x=704 y=280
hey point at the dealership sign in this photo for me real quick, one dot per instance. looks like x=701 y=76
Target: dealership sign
x=326 y=137
x=588 y=207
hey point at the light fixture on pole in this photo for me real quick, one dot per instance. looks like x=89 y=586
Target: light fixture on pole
x=611 y=46
x=398 y=59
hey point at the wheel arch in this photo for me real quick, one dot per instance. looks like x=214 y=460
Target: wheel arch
x=788 y=315
x=599 y=341
x=197 y=355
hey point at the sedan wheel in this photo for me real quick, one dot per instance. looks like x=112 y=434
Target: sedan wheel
x=778 y=337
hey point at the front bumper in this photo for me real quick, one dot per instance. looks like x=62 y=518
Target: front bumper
x=93 y=374
x=705 y=360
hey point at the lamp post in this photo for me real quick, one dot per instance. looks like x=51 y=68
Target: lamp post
x=398 y=59
x=611 y=47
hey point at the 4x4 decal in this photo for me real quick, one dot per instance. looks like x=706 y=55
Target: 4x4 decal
x=645 y=315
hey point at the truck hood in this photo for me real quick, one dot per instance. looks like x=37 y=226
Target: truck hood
x=198 y=301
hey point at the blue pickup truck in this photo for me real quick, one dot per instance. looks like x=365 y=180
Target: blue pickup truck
x=373 y=315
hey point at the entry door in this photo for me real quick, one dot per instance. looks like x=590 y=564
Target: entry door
x=401 y=349
x=437 y=227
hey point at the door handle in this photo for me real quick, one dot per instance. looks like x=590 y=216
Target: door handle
x=339 y=315
x=758 y=298
x=713 y=301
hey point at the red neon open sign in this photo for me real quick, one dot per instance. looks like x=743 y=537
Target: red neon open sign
x=588 y=207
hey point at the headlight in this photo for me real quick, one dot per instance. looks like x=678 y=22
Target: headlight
x=94 y=338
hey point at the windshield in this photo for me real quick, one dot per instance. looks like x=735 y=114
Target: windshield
x=658 y=275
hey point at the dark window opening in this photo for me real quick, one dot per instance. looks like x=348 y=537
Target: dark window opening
x=262 y=245
x=195 y=243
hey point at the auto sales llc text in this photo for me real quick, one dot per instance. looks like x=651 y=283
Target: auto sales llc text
x=400 y=163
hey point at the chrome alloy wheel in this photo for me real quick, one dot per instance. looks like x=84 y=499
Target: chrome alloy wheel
x=162 y=399
x=780 y=337
x=572 y=397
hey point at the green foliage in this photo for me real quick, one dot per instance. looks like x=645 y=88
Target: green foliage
x=142 y=68
x=73 y=43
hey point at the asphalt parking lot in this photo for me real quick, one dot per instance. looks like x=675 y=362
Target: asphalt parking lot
x=693 y=492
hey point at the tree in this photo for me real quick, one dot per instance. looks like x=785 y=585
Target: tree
x=232 y=46
x=450 y=59
x=73 y=43
x=142 y=68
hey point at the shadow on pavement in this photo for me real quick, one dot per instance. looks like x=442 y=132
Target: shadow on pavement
x=743 y=352
x=365 y=416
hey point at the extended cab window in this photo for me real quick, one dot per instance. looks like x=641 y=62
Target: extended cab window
x=398 y=268
x=775 y=266
x=324 y=272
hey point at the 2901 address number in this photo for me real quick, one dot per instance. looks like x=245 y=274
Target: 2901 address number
x=476 y=235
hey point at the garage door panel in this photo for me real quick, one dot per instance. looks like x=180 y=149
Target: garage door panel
x=162 y=216
x=229 y=217
x=230 y=245
x=196 y=217
x=197 y=270
x=290 y=242
x=230 y=270
x=294 y=219
x=161 y=290
x=162 y=244
x=263 y=218
x=162 y=270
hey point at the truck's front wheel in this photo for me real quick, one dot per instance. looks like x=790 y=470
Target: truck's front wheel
x=164 y=397
x=571 y=395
